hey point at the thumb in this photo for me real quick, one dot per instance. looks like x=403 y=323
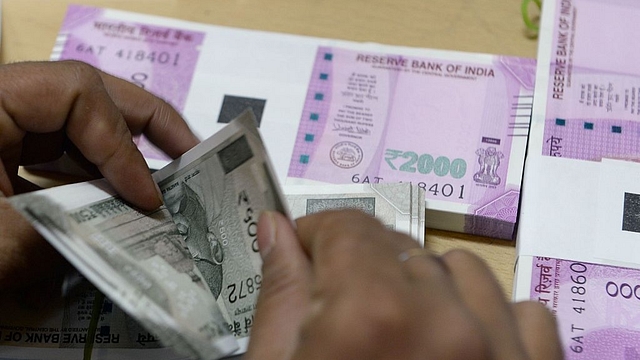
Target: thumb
x=284 y=295
x=28 y=264
x=23 y=253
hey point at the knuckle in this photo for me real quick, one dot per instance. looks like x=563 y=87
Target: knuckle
x=462 y=338
x=460 y=255
x=382 y=316
x=372 y=324
x=464 y=260
x=161 y=115
x=348 y=225
x=386 y=313
x=85 y=74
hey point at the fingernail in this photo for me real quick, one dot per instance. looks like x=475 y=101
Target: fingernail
x=267 y=234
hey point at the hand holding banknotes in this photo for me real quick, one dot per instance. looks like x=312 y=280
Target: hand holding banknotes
x=49 y=108
x=342 y=286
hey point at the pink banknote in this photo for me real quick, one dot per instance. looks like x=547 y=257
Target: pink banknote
x=159 y=59
x=596 y=306
x=593 y=106
x=447 y=125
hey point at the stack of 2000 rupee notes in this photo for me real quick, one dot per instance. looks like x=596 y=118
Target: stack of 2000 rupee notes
x=579 y=234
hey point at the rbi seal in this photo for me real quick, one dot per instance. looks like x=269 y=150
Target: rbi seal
x=346 y=154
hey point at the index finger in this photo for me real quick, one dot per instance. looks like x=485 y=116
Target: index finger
x=150 y=115
x=483 y=296
x=46 y=97
x=350 y=242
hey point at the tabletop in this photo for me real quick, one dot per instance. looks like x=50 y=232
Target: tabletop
x=29 y=29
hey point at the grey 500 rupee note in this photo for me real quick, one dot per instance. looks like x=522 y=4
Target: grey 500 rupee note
x=190 y=271
x=216 y=196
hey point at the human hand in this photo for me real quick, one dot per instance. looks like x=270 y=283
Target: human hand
x=342 y=286
x=49 y=107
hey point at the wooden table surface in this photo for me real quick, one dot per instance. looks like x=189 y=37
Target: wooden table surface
x=29 y=28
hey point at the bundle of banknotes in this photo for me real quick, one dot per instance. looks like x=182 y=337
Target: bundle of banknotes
x=181 y=281
x=579 y=235
x=453 y=123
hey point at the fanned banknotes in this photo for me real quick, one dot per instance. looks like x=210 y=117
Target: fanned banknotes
x=190 y=271
x=399 y=206
x=337 y=112
x=579 y=234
